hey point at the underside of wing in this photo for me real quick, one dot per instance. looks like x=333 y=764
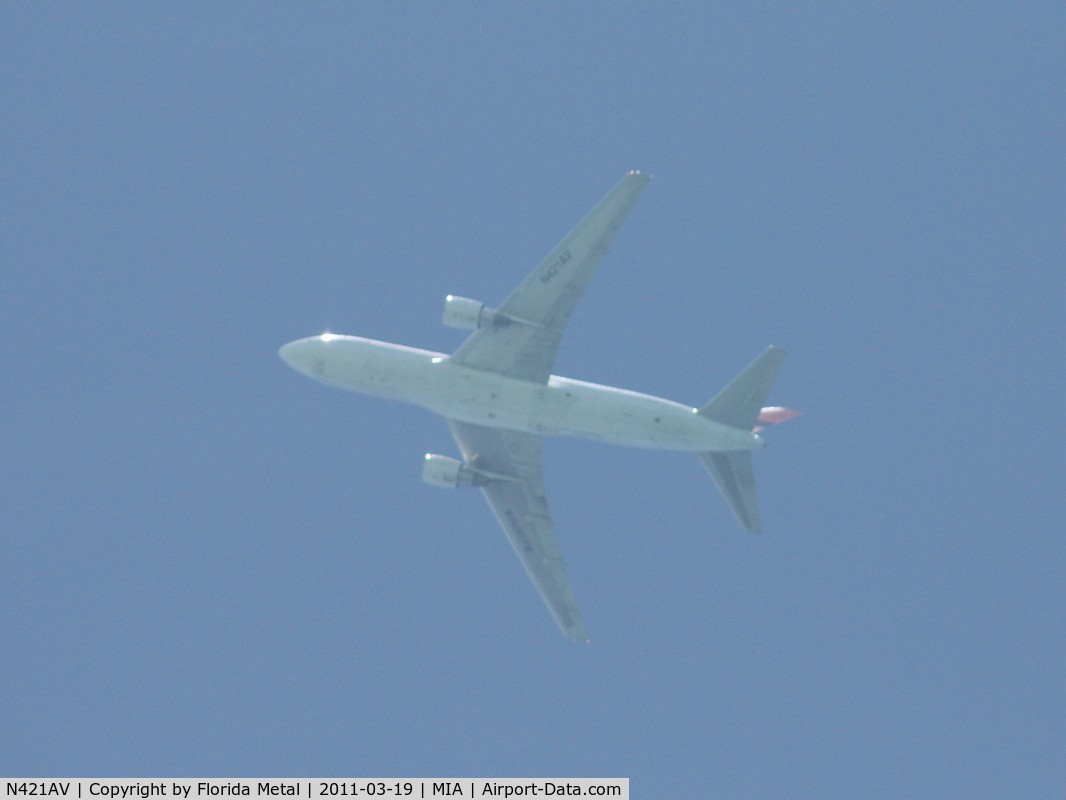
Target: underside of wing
x=516 y=496
x=524 y=337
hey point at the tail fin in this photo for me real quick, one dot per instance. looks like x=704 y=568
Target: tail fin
x=775 y=415
x=738 y=405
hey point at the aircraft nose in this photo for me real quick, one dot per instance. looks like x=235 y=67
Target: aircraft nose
x=304 y=356
x=291 y=353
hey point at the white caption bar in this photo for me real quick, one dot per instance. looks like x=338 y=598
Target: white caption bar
x=310 y=788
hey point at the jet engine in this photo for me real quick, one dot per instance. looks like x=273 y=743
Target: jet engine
x=462 y=312
x=448 y=472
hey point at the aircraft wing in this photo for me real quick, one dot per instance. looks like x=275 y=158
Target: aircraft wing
x=522 y=510
x=524 y=339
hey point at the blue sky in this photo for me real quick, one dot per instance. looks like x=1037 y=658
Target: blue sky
x=214 y=566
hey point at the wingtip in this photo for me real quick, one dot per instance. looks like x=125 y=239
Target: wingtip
x=577 y=633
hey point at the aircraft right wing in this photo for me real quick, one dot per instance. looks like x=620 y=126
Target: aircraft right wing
x=523 y=341
x=522 y=510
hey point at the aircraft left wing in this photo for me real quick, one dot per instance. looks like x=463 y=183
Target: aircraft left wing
x=524 y=337
x=520 y=506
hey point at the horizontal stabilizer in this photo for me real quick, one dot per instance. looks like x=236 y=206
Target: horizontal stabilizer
x=733 y=473
x=739 y=403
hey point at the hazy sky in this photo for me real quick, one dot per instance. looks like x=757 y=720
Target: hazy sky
x=213 y=566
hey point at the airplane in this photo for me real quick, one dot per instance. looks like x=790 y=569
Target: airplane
x=499 y=397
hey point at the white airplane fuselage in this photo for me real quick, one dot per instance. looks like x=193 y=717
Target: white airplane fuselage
x=563 y=406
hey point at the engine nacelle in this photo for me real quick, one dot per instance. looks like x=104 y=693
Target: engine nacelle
x=448 y=472
x=462 y=312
